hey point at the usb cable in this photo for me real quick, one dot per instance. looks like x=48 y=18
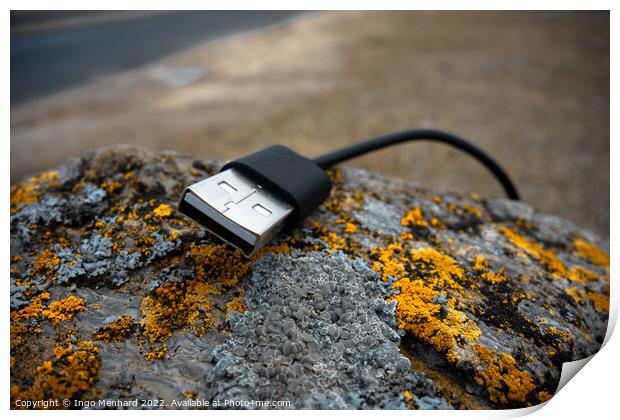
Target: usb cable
x=253 y=198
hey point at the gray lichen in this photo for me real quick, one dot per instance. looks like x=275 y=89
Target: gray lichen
x=318 y=342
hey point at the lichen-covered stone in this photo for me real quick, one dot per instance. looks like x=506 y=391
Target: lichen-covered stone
x=388 y=296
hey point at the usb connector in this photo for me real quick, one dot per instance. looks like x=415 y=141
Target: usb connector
x=235 y=209
x=255 y=197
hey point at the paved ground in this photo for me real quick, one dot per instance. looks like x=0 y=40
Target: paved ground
x=531 y=88
x=51 y=51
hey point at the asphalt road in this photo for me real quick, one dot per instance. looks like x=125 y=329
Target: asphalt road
x=54 y=51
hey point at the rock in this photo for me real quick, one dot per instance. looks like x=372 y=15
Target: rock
x=389 y=296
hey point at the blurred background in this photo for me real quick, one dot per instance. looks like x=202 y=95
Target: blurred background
x=531 y=88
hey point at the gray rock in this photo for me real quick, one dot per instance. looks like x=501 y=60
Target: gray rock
x=475 y=303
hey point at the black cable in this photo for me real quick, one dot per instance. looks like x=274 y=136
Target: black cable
x=350 y=152
x=258 y=195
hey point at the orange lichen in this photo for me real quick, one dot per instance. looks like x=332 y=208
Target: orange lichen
x=45 y=263
x=115 y=331
x=441 y=268
x=475 y=211
x=543 y=396
x=171 y=307
x=582 y=275
x=156 y=353
x=538 y=252
x=191 y=394
x=414 y=217
x=436 y=223
x=21 y=195
x=33 y=310
x=600 y=301
x=548 y=259
x=133 y=214
x=562 y=335
x=174 y=306
x=391 y=261
x=71 y=373
x=218 y=264
x=344 y=200
x=335 y=174
x=282 y=248
x=111 y=186
x=406 y=236
x=20 y=331
x=237 y=304
x=418 y=314
x=163 y=210
x=334 y=242
x=349 y=227
x=64 y=309
x=576 y=293
x=465 y=210
x=498 y=372
x=591 y=252
x=409 y=400
x=418 y=307
x=188 y=304
x=29 y=191
x=481 y=265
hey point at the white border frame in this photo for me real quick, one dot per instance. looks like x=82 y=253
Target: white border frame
x=591 y=394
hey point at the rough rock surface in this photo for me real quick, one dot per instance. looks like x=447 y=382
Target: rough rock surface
x=389 y=296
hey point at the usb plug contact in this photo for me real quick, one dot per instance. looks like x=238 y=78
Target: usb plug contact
x=253 y=198
x=235 y=209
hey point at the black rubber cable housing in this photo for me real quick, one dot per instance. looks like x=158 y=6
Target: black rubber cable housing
x=292 y=177
x=358 y=149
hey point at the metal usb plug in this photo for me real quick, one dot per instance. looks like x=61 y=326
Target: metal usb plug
x=256 y=196
x=236 y=209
